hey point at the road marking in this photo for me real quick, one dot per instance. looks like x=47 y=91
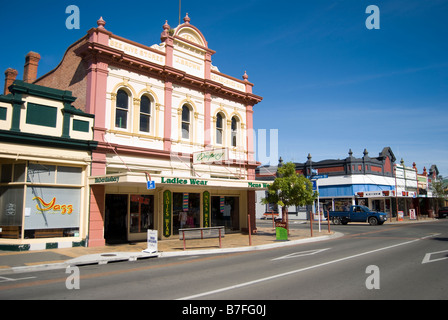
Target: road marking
x=249 y=283
x=300 y=254
x=427 y=258
x=4 y=279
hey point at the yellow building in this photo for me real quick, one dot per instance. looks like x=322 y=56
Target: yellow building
x=45 y=161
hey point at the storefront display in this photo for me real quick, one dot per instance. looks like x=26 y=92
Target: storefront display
x=49 y=199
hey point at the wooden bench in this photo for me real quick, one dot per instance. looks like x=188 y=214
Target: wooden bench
x=48 y=233
x=10 y=232
x=201 y=233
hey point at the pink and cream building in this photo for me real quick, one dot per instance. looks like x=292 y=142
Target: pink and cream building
x=164 y=114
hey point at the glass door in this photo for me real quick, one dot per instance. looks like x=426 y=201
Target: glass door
x=141 y=213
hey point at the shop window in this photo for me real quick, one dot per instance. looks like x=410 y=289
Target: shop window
x=19 y=172
x=6 y=173
x=186 y=211
x=225 y=212
x=142 y=213
x=342 y=204
x=41 y=173
x=219 y=128
x=12 y=172
x=52 y=207
x=37 y=197
x=121 y=111
x=186 y=122
x=11 y=204
x=234 y=132
x=145 y=114
x=69 y=175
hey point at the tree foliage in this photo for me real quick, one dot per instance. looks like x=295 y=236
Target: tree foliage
x=290 y=188
x=439 y=192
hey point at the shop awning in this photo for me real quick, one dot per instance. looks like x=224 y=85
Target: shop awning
x=140 y=179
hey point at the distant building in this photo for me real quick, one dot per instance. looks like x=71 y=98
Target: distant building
x=377 y=182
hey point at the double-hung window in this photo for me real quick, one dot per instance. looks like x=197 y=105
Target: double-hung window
x=219 y=129
x=234 y=133
x=186 y=122
x=145 y=114
x=122 y=109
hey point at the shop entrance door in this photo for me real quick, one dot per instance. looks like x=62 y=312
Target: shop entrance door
x=115 y=230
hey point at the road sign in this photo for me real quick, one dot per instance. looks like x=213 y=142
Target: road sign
x=320 y=176
x=150 y=185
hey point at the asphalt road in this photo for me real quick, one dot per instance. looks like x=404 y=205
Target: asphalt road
x=389 y=262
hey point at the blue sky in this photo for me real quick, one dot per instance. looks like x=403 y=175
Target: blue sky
x=329 y=84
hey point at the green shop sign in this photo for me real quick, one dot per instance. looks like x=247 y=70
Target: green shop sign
x=206 y=207
x=183 y=181
x=167 y=213
x=258 y=185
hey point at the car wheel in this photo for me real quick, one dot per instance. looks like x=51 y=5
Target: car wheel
x=373 y=221
x=336 y=220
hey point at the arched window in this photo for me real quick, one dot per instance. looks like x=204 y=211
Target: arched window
x=234 y=132
x=219 y=128
x=145 y=114
x=186 y=122
x=121 y=110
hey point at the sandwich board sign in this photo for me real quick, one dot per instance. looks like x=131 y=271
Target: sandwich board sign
x=152 y=242
x=281 y=231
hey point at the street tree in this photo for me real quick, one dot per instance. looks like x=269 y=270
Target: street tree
x=290 y=189
x=439 y=192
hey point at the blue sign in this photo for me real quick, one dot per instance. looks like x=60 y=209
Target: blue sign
x=318 y=176
x=150 y=185
x=314 y=182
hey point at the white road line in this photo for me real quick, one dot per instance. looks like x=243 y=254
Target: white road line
x=300 y=254
x=249 y=283
x=5 y=279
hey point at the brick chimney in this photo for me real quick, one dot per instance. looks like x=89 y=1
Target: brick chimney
x=31 y=63
x=10 y=77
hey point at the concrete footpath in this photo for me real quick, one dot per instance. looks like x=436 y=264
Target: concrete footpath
x=28 y=261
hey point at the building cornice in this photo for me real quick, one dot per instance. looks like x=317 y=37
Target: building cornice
x=103 y=53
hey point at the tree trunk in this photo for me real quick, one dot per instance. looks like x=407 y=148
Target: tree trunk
x=285 y=218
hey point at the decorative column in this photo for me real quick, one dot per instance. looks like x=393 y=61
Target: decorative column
x=169 y=48
x=167 y=116
x=207 y=121
x=96 y=104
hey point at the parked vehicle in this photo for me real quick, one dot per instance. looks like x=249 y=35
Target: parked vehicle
x=269 y=215
x=358 y=214
x=443 y=212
